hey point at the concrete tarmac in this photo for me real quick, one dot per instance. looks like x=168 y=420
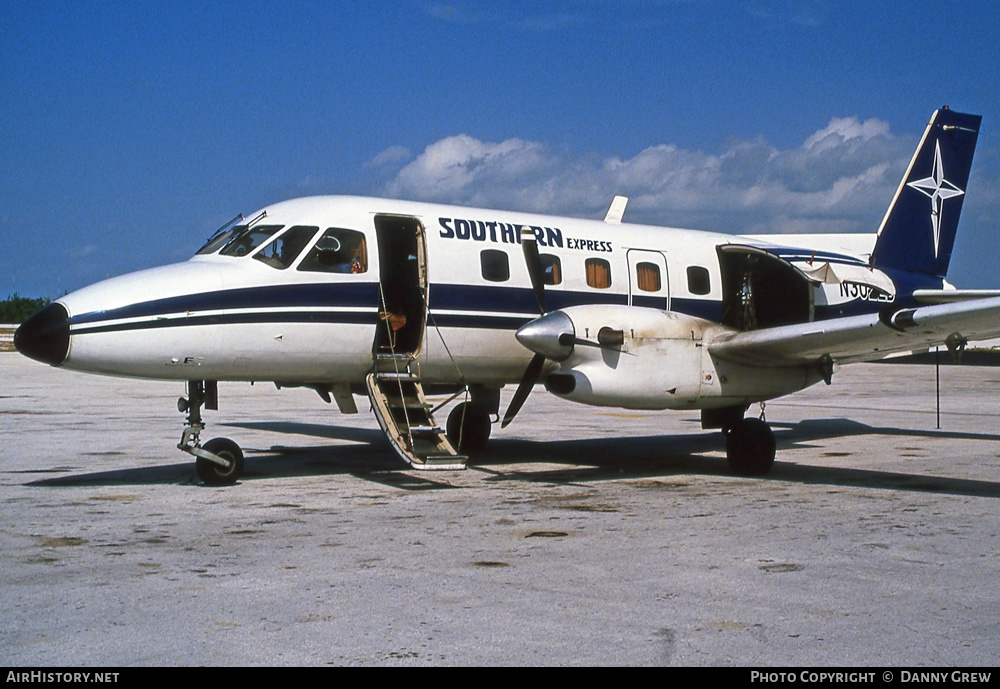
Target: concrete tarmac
x=581 y=536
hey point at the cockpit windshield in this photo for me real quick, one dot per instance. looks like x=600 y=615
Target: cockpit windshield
x=249 y=239
x=220 y=238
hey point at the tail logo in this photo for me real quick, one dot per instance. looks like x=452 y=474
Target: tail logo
x=938 y=189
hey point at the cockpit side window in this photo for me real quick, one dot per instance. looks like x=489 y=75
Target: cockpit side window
x=286 y=247
x=213 y=244
x=338 y=251
x=248 y=240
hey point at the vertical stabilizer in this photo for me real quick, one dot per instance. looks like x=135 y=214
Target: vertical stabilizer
x=918 y=231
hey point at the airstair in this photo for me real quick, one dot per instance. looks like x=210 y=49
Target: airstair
x=405 y=416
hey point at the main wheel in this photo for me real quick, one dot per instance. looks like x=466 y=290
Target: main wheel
x=468 y=427
x=750 y=448
x=213 y=474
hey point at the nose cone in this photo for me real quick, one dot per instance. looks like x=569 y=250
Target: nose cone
x=45 y=336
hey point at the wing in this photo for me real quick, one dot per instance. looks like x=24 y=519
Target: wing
x=862 y=338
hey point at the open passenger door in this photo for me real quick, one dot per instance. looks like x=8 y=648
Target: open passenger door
x=394 y=385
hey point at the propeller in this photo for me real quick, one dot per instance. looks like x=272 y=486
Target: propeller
x=529 y=246
x=551 y=336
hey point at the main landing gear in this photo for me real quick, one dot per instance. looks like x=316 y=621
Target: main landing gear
x=469 y=427
x=749 y=441
x=218 y=462
x=470 y=423
x=749 y=447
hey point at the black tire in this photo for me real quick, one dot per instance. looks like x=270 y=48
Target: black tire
x=468 y=427
x=214 y=475
x=750 y=448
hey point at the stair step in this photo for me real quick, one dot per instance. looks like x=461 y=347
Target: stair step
x=441 y=463
x=406 y=403
x=425 y=429
x=390 y=356
x=405 y=377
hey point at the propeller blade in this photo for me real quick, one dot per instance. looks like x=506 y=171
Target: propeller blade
x=529 y=245
x=528 y=381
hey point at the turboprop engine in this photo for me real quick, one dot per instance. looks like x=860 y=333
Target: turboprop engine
x=622 y=356
x=642 y=358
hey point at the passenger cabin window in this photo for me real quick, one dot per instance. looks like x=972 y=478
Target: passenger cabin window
x=495 y=265
x=338 y=251
x=552 y=269
x=286 y=247
x=248 y=240
x=698 y=280
x=647 y=277
x=598 y=273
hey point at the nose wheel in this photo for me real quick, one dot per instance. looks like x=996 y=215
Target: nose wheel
x=210 y=471
x=219 y=462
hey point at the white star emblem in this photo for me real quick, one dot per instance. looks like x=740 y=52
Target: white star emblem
x=938 y=189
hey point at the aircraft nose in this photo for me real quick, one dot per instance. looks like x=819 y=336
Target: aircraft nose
x=45 y=336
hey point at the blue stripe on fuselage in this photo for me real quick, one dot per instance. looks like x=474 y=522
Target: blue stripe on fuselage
x=350 y=317
x=485 y=300
x=273 y=296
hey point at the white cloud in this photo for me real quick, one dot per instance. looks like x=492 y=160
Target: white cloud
x=840 y=179
x=843 y=129
x=462 y=168
x=393 y=154
x=83 y=251
x=511 y=17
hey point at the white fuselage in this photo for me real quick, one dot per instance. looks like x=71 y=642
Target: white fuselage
x=233 y=318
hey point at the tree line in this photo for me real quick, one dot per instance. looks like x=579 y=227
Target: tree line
x=17 y=309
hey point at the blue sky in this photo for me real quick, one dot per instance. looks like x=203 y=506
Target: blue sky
x=130 y=131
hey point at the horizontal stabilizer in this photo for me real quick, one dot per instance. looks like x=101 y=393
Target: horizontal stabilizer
x=950 y=296
x=862 y=338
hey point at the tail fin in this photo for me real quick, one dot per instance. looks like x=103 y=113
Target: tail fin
x=918 y=231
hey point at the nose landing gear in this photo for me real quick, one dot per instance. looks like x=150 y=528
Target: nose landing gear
x=219 y=461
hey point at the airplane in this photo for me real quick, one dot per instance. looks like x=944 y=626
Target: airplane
x=397 y=300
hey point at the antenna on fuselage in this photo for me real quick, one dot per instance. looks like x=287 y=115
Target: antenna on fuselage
x=617 y=210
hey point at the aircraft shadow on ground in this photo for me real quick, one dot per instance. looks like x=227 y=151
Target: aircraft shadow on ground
x=368 y=456
x=661 y=456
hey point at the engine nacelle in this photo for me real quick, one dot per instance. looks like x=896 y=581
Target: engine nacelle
x=633 y=357
x=641 y=358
